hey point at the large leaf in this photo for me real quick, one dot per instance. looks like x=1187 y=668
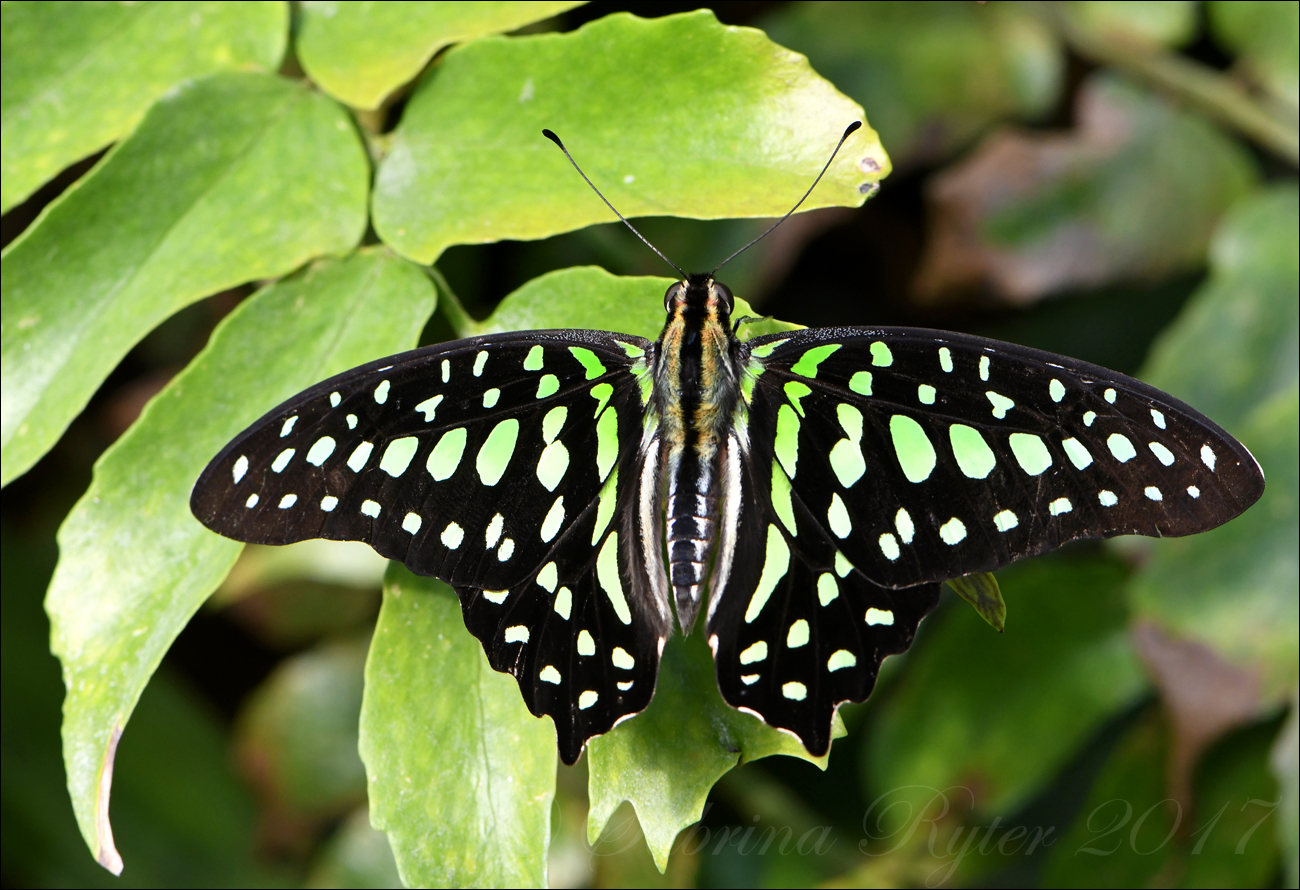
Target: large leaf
x=1000 y=714
x=461 y=776
x=134 y=564
x=734 y=126
x=361 y=52
x=235 y=178
x=911 y=64
x=1267 y=35
x=666 y=759
x=79 y=75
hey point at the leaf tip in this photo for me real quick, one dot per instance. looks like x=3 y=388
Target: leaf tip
x=106 y=854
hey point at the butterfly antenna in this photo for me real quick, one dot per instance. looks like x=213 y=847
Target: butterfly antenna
x=847 y=133
x=556 y=139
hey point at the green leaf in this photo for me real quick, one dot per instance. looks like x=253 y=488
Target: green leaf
x=1153 y=22
x=1134 y=193
x=78 y=76
x=583 y=297
x=1130 y=833
x=982 y=592
x=235 y=178
x=734 y=126
x=1235 y=343
x=296 y=734
x=461 y=775
x=1002 y=714
x=910 y=65
x=361 y=52
x=1234 y=588
x=667 y=758
x=356 y=856
x=134 y=564
x=1267 y=35
x=1284 y=760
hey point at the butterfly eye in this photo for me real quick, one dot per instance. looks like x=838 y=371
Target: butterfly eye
x=673 y=294
x=723 y=295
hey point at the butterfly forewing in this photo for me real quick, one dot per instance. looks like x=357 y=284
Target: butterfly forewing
x=927 y=456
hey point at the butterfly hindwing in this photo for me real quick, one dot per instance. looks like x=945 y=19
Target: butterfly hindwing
x=796 y=630
x=927 y=456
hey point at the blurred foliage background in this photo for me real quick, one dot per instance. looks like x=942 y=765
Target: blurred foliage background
x=1112 y=181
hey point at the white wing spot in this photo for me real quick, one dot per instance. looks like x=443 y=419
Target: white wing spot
x=880 y=616
x=794 y=691
x=1153 y=493
x=1089 y=417
x=889 y=546
x=798 y=635
x=1077 y=454
x=252 y=501
x=755 y=653
x=548 y=577
x=984 y=368
x=1207 y=457
x=1121 y=448
x=370 y=508
x=1158 y=418
x=507 y=550
x=1056 y=389
x=827 y=588
x=517 y=634
x=452 y=536
x=282 y=459
x=952 y=532
x=357 y=459
x=841 y=658
x=549 y=674
x=328 y=503
x=288 y=501
x=287 y=426
x=625 y=685
x=1005 y=521
x=1193 y=491
x=335 y=399
x=381 y=392
x=1109 y=395
x=240 y=469
x=1163 y=454
x=1059 y=506
x=493 y=532
x=411 y=523
x=320 y=450
x=554 y=518
x=352 y=421
x=564 y=603
x=903 y=522
x=586 y=645
x=1107 y=498
x=621 y=659
x=749 y=679
x=446 y=370
x=428 y=407
x=479 y=361
x=588 y=698
x=945 y=359
x=496 y=596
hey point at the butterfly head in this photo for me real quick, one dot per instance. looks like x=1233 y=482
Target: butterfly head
x=699 y=293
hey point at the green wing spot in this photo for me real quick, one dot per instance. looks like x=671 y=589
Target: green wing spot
x=1001 y=404
x=1077 y=454
x=973 y=454
x=632 y=350
x=807 y=364
x=787 y=439
x=496 y=452
x=794 y=391
x=533 y=361
x=445 y=456
x=827 y=588
x=847 y=462
x=945 y=359
x=748 y=379
x=775 y=563
x=601 y=393
x=838 y=517
x=589 y=361
x=554 y=422
x=1031 y=453
x=915 y=452
x=606 y=442
x=605 y=506
x=781 y=500
x=607 y=575
x=861 y=383
x=881 y=357
x=552 y=465
x=398 y=455
x=549 y=385
x=766 y=349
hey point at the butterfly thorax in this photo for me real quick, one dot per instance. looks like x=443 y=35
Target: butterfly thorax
x=695 y=394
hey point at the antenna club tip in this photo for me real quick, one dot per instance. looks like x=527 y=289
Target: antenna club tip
x=551 y=136
x=853 y=127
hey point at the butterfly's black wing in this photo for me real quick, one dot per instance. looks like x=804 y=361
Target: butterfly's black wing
x=931 y=455
x=498 y=464
x=867 y=465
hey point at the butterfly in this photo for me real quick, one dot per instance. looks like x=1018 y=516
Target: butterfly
x=802 y=493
